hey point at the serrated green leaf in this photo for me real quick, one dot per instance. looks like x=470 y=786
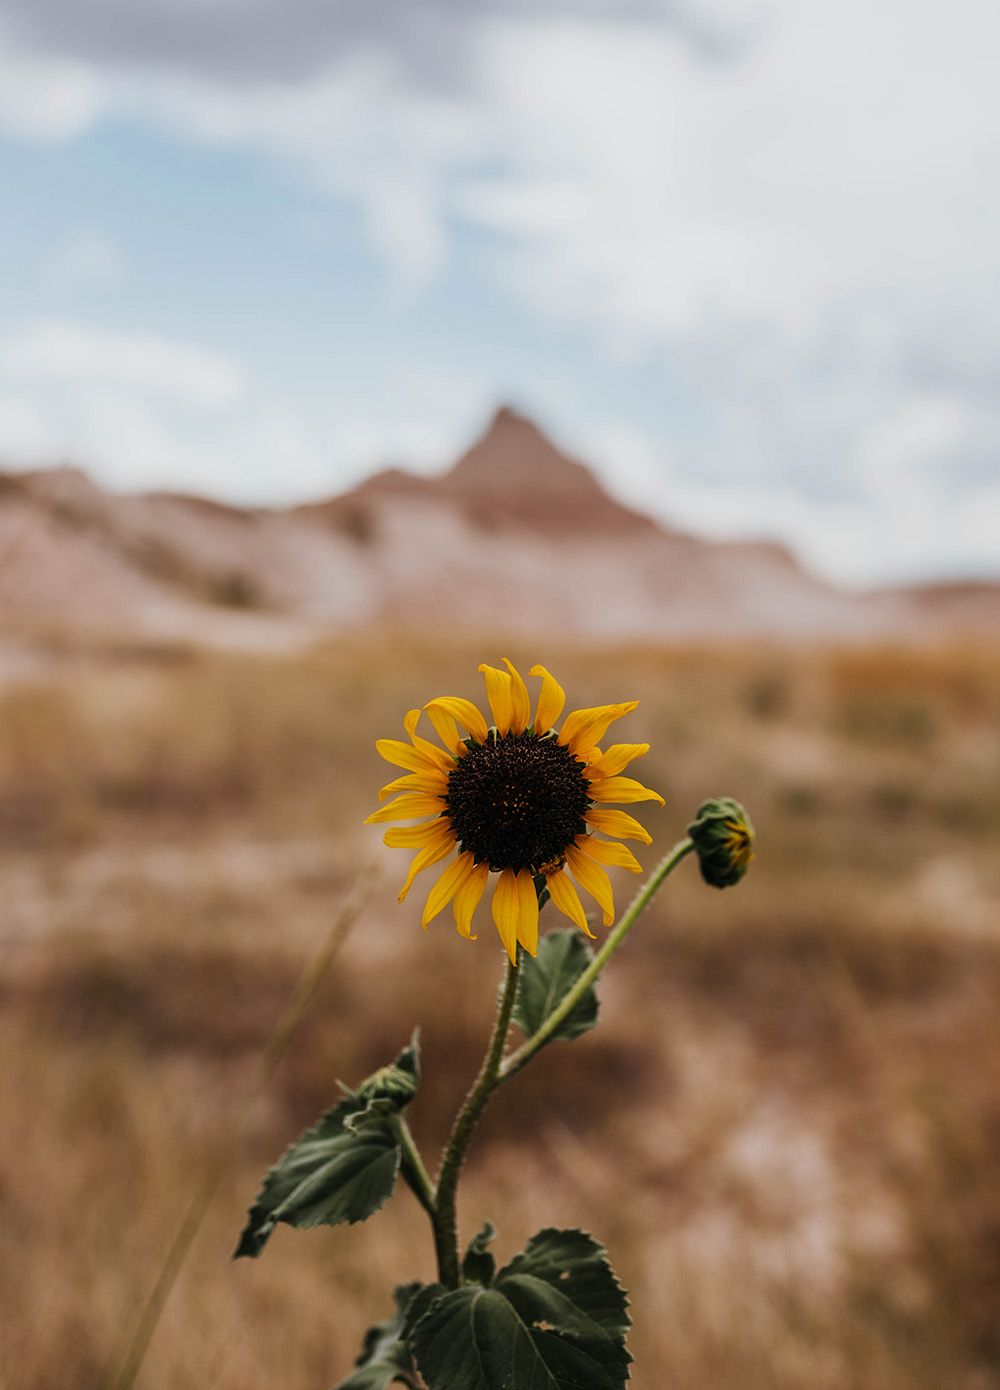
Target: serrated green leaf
x=555 y=1319
x=472 y=1339
x=576 y=1267
x=344 y=1168
x=329 y=1176
x=479 y=1266
x=546 y=979
x=385 y=1357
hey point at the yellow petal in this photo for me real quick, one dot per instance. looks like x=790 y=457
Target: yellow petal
x=499 y=696
x=467 y=898
x=622 y=789
x=405 y=755
x=618 y=756
x=446 y=729
x=465 y=712
x=411 y=836
x=592 y=877
x=550 y=701
x=407 y=807
x=617 y=823
x=519 y=700
x=527 y=927
x=585 y=727
x=447 y=886
x=436 y=755
x=507 y=911
x=567 y=900
x=433 y=783
x=607 y=853
x=431 y=854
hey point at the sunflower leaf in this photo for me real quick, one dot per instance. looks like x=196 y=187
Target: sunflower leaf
x=555 y=1319
x=545 y=979
x=385 y=1356
x=344 y=1168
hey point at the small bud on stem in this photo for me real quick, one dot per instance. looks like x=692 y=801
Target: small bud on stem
x=723 y=840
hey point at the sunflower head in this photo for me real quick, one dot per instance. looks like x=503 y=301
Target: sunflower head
x=516 y=798
x=723 y=840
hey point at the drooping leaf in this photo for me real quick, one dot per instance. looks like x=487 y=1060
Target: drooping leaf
x=545 y=980
x=385 y=1357
x=479 y=1266
x=328 y=1176
x=555 y=1319
x=344 y=1168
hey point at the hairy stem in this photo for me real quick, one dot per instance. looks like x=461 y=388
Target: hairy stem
x=566 y=1005
x=445 y=1224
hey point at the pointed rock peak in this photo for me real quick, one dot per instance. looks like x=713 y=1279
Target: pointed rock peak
x=514 y=451
x=515 y=476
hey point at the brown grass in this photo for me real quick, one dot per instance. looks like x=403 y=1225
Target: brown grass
x=786 y=1128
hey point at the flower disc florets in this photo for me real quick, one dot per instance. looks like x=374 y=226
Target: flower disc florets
x=521 y=800
x=517 y=802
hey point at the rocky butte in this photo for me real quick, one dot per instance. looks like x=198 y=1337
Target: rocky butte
x=516 y=538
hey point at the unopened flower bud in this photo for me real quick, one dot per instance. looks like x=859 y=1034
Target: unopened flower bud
x=723 y=839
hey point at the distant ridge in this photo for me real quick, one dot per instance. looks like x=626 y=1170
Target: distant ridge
x=516 y=538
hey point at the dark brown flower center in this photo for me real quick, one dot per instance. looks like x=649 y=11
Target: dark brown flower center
x=518 y=801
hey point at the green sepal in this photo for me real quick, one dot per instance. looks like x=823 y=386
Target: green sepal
x=344 y=1168
x=555 y=1318
x=479 y=1266
x=545 y=980
x=391 y=1088
x=541 y=890
x=385 y=1356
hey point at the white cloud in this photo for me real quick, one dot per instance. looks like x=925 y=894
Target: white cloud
x=48 y=99
x=88 y=258
x=133 y=440
x=132 y=443
x=58 y=350
x=841 y=147
x=847 y=150
x=896 y=526
x=23 y=433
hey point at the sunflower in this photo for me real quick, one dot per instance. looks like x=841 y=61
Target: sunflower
x=516 y=799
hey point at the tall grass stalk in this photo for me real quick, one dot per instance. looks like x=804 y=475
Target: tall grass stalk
x=122 y=1374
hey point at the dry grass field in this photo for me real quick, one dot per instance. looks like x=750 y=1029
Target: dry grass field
x=786 y=1128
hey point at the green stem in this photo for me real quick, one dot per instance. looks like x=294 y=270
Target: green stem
x=638 y=905
x=445 y=1223
x=412 y=1167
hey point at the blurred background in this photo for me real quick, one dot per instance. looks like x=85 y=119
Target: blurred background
x=345 y=347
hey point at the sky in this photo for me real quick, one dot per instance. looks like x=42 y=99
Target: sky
x=742 y=256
